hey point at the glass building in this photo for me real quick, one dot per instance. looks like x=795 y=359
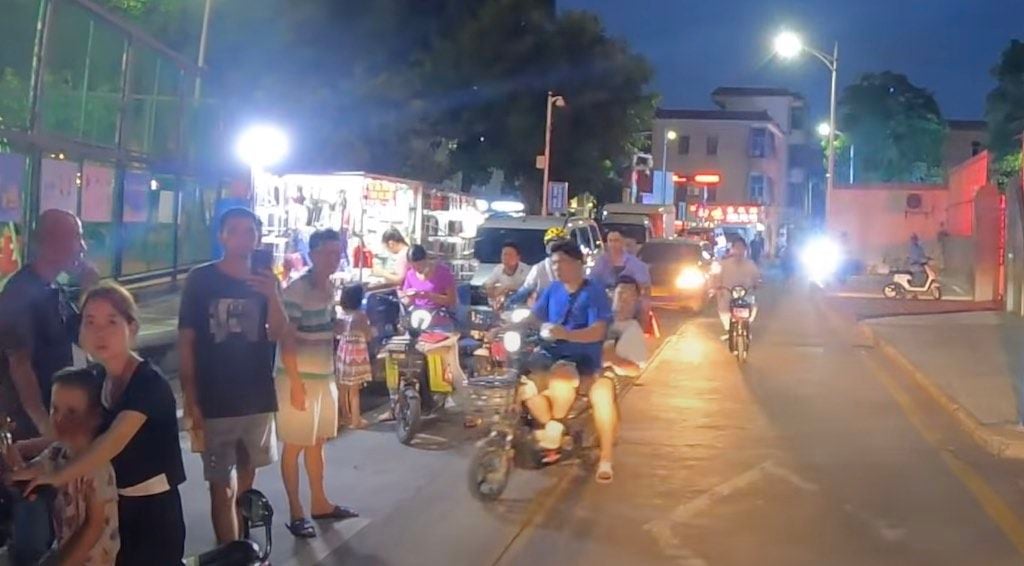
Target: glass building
x=98 y=118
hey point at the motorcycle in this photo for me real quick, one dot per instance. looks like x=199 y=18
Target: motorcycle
x=256 y=513
x=903 y=285
x=741 y=309
x=509 y=438
x=408 y=368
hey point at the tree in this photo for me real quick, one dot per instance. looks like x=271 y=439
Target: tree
x=896 y=126
x=1004 y=112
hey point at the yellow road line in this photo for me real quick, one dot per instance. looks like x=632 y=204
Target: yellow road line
x=993 y=505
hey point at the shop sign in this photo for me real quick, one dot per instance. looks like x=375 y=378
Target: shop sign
x=726 y=214
x=379 y=192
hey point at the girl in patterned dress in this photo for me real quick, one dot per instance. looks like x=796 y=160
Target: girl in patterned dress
x=85 y=514
x=352 y=361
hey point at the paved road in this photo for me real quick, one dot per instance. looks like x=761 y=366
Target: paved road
x=817 y=452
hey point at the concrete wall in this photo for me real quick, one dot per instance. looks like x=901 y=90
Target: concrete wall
x=878 y=223
x=958 y=145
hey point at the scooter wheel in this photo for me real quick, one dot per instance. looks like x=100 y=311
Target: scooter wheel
x=489 y=471
x=892 y=291
x=408 y=415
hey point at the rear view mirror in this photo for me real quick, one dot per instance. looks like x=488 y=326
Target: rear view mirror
x=255 y=508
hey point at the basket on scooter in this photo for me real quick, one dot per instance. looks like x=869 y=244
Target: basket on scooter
x=491 y=396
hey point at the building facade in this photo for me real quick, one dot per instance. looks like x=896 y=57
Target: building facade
x=964 y=140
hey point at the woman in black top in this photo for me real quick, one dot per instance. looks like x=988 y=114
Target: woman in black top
x=140 y=438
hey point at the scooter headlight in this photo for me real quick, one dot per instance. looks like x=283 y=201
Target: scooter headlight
x=739 y=292
x=520 y=315
x=420 y=319
x=512 y=341
x=716 y=267
x=822 y=257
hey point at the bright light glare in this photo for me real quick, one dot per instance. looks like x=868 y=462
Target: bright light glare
x=420 y=319
x=821 y=258
x=716 y=267
x=512 y=341
x=824 y=129
x=507 y=206
x=262 y=146
x=520 y=315
x=788 y=45
x=690 y=278
x=671 y=134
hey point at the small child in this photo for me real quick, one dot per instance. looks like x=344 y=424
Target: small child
x=85 y=511
x=352 y=361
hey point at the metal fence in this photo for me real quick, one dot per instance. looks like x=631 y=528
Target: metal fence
x=99 y=118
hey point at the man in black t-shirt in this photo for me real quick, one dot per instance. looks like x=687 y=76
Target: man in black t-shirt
x=229 y=322
x=38 y=325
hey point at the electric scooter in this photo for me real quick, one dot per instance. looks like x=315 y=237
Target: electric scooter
x=257 y=513
x=740 y=311
x=903 y=285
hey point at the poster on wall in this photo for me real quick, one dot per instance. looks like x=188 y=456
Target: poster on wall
x=165 y=207
x=136 y=196
x=12 y=175
x=97 y=193
x=59 y=185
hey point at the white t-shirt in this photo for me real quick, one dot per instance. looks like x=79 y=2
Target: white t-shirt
x=739 y=271
x=631 y=343
x=541 y=276
x=498 y=277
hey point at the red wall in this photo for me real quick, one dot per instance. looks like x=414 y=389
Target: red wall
x=965 y=180
x=878 y=223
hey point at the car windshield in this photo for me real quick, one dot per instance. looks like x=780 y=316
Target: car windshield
x=665 y=252
x=490 y=240
x=635 y=231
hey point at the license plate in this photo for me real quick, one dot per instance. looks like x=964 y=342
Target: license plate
x=741 y=313
x=398 y=356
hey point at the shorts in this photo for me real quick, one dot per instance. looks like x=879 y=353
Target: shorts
x=247 y=441
x=320 y=419
x=585 y=367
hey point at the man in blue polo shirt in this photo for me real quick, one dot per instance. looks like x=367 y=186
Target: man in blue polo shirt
x=574 y=314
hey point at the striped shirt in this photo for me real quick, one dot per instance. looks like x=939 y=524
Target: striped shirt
x=311 y=312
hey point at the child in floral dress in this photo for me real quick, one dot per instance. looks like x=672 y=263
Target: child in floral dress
x=352 y=362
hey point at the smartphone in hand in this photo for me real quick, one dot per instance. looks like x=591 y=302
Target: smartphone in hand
x=262 y=261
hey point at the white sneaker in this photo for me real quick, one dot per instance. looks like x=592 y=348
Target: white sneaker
x=550 y=437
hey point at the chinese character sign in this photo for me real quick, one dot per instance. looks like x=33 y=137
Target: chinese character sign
x=558 y=196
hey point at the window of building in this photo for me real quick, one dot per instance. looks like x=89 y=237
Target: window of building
x=759 y=142
x=684 y=145
x=760 y=188
x=975 y=148
x=797 y=118
x=712 y=145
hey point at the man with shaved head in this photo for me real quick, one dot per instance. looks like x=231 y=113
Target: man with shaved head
x=38 y=325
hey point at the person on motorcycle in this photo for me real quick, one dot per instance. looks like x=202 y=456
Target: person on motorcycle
x=626 y=351
x=737 y=270
x=574 y=315
x=508 y=277
x=917 y=259
x=617 y=261
x=542 y=274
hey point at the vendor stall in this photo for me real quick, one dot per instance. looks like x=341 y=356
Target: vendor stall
x=450 y=222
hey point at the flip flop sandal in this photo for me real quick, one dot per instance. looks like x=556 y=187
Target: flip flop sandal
x=339 y=513
x=550 y=457
x=604 y=473
x=301 y=528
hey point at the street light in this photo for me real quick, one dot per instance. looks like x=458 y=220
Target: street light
x=788 y=45
x=260 y=147
x=553 y=100
x=670 y=135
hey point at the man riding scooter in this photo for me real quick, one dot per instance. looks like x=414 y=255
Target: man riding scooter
x=737 y=271
x=574 y=314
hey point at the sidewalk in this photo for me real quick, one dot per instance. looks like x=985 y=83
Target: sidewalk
x=969 y=363
x=870 y=286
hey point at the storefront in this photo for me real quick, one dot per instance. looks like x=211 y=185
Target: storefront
x=450 y=223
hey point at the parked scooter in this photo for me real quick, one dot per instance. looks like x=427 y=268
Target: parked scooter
x=406 y=364
x=903 y=284
x=510 y=439
x=257 y=513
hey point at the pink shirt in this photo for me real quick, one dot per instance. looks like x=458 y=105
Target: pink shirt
x=440 y=282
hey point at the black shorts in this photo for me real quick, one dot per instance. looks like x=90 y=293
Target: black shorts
x=542 y=361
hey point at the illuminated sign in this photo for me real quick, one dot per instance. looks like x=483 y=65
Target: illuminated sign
x=727 y=214
x=707 y=178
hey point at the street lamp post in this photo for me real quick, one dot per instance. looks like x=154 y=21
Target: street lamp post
x=670 y=135
x=201 y=62
x=788 y=45
x=553 y=100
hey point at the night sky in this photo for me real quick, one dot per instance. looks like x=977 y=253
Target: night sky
x=946 y=46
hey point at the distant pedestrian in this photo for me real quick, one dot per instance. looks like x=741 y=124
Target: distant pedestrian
x=757 y=248
x=229 y=321
x=307 y=395
x=352 y=363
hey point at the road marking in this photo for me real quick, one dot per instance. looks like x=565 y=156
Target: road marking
x=993 y=505
x=330 y=537
x=661 y=529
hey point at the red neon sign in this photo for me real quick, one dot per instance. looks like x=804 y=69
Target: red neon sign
x=707 y=178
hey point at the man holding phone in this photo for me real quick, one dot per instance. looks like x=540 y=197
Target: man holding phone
x=230 y=318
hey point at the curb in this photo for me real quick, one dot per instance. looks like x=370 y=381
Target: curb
x=1001 y=443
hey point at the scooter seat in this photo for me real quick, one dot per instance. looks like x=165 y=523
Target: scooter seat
x=902 y=272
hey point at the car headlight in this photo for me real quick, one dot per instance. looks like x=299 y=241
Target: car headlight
x=690 y=278
x=512 y=341
x=739 y=292
x=520 y=315
x=420 y=319
x=716 y=267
